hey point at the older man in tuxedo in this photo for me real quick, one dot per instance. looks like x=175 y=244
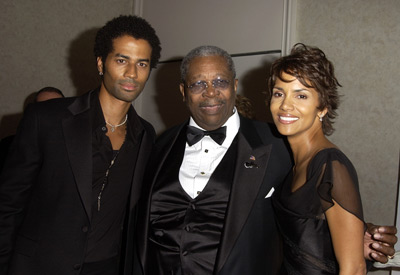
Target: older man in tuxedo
x=207 y=204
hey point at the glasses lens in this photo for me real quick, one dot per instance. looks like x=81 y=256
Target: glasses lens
x=200 y=86
x=220 y=84
x=197 y=87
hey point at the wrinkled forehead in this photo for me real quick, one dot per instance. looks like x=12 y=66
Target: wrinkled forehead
x=208 y=66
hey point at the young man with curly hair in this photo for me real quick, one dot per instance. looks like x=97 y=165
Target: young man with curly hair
x=71 y=183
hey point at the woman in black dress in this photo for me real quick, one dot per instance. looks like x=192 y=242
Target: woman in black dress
x=318 y=208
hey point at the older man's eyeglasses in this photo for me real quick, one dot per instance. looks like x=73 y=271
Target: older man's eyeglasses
x=202 y=85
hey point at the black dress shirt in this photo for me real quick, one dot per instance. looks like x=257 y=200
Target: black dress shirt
x=106 y=224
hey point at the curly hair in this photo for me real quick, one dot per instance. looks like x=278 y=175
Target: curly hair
x=244 y=107
x=311 y=67
x=206 y=51
x=134 y=26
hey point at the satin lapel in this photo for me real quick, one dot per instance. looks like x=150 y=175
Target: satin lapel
x=165 y=150
x=161 y=150
x=141 y=163
x=245 y=187
x=78 y=140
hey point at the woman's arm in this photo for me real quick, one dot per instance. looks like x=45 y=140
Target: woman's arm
x=347 y=232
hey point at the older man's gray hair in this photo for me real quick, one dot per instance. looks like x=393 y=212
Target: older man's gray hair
x=205 y=51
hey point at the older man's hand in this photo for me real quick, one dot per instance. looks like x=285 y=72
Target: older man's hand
x=379 y=242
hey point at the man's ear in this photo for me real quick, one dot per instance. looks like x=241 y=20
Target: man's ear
x=99 y=65
x=182 y=89
x=235 y=85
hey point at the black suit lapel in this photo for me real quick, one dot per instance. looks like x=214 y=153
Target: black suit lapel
x=78 y=140
x=251 y=165
x=160 y=153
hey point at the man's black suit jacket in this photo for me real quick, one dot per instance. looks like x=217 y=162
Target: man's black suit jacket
x=250 y=242
x=46 y=189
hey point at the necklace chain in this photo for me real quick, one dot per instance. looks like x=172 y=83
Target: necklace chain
x=115 y=126
x=105 y=181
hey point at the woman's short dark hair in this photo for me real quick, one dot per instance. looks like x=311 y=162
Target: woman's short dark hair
x=311 y=67
x=134 y=26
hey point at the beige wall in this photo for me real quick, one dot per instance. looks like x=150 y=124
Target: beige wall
x=48 y=43
x=362 y=38
x=230 y=24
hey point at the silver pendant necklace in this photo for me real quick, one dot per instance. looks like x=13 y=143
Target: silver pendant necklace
x=115 y=126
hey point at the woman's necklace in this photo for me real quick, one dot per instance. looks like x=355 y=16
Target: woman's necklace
x=115 y=126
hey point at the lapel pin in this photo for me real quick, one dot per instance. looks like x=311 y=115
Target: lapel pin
x=251 y=163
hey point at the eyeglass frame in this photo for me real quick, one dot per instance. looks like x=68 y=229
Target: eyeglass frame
x=205 y=85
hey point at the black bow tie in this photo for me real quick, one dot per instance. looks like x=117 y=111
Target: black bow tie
x=194 y=135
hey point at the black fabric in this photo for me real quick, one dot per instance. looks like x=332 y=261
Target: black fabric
x=250 y=242
x=46 y=189
x=5 y=144
x=308 y=246
x=195 y=134
x=105 y=227
x=105 y=267
x=184 y=232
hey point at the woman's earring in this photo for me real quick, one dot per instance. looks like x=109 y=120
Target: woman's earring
x=100 y=73
x=320 y=118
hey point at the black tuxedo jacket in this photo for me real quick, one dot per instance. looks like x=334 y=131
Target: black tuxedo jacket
x=250 y=242
x=46 y=189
